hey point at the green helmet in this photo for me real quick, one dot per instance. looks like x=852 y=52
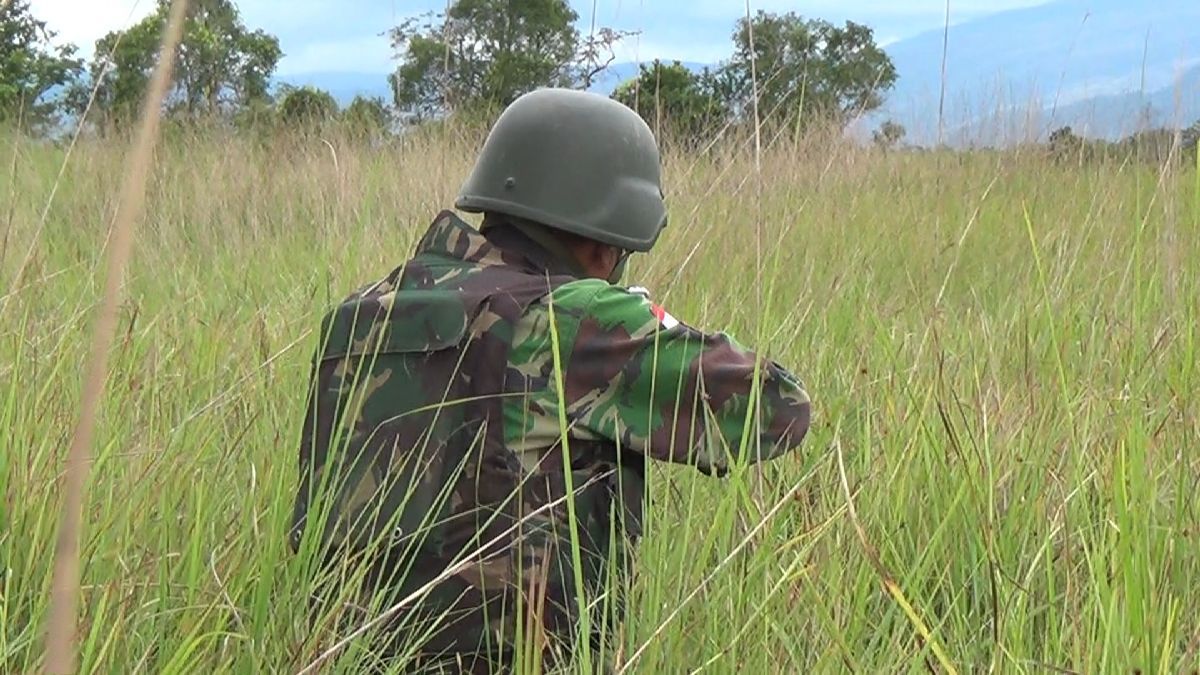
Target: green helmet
x=572 y=161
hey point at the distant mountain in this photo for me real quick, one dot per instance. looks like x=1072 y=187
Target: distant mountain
x=1016 y=73
x=1119 y=115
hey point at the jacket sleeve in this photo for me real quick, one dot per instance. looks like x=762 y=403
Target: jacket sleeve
x=673 y=393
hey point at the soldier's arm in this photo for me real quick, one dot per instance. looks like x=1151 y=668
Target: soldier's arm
x=674 y=393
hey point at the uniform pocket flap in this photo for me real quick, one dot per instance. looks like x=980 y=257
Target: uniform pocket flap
x=402 y=322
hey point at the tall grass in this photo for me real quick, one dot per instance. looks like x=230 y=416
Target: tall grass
x=1002 y=353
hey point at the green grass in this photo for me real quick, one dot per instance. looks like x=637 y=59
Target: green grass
x=1001 y=350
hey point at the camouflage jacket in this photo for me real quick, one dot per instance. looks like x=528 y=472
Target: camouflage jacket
x=434 y=435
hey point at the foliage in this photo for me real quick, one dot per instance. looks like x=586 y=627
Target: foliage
x=222 y=65
x=676 y=102
x=1190 y=140
x=1156 y=146
x=483 y=54
x=367 y=116
x=889 y=134
x=306 y=106
x=31 y=68
x=808 y=69
x=802 y=73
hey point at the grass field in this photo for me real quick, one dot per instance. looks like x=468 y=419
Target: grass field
x=1002 y=351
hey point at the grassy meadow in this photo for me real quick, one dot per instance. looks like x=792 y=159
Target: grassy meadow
x=1003 y=353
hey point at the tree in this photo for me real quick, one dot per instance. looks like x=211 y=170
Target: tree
x=889 y=134
x=1065 y=145
x=31 y=68
x=1064 y=138
x=1189 y=140
x=807 y=69
x=306 y=106
x=222 y=65
x=1153 y=145
x=486 y=53
x=367 y=116
x=674 y=101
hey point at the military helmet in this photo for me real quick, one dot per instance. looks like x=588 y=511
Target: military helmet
x=572 y=161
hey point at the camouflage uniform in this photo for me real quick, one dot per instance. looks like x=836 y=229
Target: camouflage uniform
x=433 y=434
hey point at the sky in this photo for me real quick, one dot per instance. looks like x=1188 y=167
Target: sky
x=321 y=36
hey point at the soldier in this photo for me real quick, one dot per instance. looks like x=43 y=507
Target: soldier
x=459 y=402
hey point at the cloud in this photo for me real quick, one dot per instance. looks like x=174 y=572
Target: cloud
x=85 y=22
x=310 y=21
x=314 y=34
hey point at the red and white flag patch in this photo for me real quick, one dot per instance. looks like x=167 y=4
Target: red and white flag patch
x=663 y=316
x=656 y=309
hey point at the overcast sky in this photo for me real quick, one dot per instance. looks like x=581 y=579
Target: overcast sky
x=345 y=35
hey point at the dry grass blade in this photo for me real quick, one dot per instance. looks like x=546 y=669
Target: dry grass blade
x=60 y=647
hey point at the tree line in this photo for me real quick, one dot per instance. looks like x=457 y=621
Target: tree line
x=1155 y=145
x=224 y=72
x=785 y=71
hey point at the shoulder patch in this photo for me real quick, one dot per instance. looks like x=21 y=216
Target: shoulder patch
x=663 y=316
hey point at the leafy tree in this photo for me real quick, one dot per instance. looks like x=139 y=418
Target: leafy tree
x=1156 y=145
x=486 y=53
x=222 y=65
x=807 y=69
x=1067 y=146
x=306 y=106
x=367 y=116
x=1190 y=140
x=1064 y=138
x=889 y=134
x=31 y=67
x=257 y=118
x=675 y=101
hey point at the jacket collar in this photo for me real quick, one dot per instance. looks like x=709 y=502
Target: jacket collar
x=500 y=243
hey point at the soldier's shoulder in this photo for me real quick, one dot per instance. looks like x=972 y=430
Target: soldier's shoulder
x=596 y=300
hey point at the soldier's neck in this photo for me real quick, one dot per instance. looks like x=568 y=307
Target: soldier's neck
x=534 y=243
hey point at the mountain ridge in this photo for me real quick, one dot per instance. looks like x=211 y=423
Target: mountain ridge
x=1047 y=61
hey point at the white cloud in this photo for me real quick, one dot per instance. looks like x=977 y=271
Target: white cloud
x=315 y=34
x=85 y=22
